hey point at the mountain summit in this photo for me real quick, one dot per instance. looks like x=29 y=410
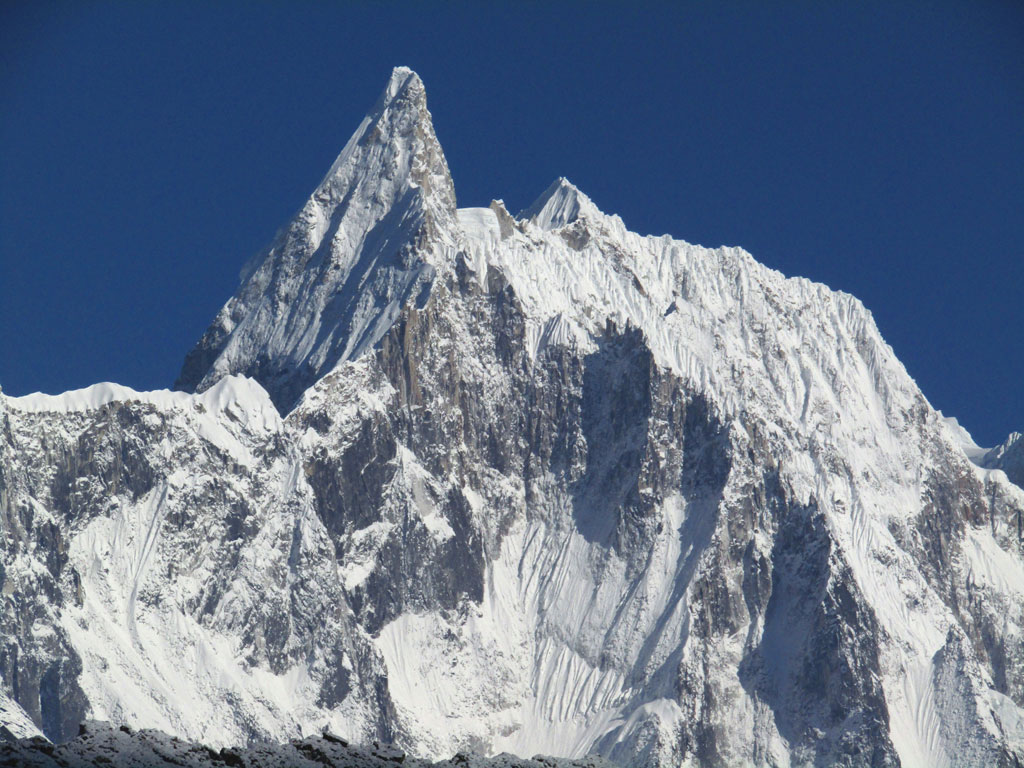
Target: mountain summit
x=461 y=480
x=561 y=204
x=336 y=277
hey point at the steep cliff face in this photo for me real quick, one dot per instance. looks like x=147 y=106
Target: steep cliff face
x=540 y=484
x=166 y=565
x=335 y=279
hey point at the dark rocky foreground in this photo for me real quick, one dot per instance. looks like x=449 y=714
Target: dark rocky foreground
x=100 y=744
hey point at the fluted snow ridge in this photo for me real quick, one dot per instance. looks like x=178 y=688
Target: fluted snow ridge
x=541 y=484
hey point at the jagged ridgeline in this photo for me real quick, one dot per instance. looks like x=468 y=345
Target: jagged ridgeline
x=463 y=480
x=99 y=744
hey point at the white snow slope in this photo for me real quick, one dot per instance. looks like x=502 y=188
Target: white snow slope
x=541 y=485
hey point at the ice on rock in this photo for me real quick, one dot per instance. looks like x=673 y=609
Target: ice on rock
x=367 y=241
x=560 y=205
x=464 y=481
x=14 y=721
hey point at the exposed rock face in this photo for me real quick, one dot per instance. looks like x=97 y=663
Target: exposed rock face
x=541 y=485
x=181 y=555
x=334 y=280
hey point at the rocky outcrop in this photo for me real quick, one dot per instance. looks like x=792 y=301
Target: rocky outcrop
x=98 y=744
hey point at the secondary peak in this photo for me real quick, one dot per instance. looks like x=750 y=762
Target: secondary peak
x=561 y=204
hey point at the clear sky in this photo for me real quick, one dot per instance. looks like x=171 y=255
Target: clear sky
x=147 y=150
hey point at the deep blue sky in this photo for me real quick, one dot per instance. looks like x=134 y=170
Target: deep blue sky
x=147 y=150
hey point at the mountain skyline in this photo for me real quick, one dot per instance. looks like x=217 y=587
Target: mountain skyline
x=153 y=149
x=457 y=479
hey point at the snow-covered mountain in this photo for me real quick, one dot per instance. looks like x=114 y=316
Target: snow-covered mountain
x=465 y=480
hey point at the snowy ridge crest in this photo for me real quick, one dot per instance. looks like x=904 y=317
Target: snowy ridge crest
x=227 y=392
